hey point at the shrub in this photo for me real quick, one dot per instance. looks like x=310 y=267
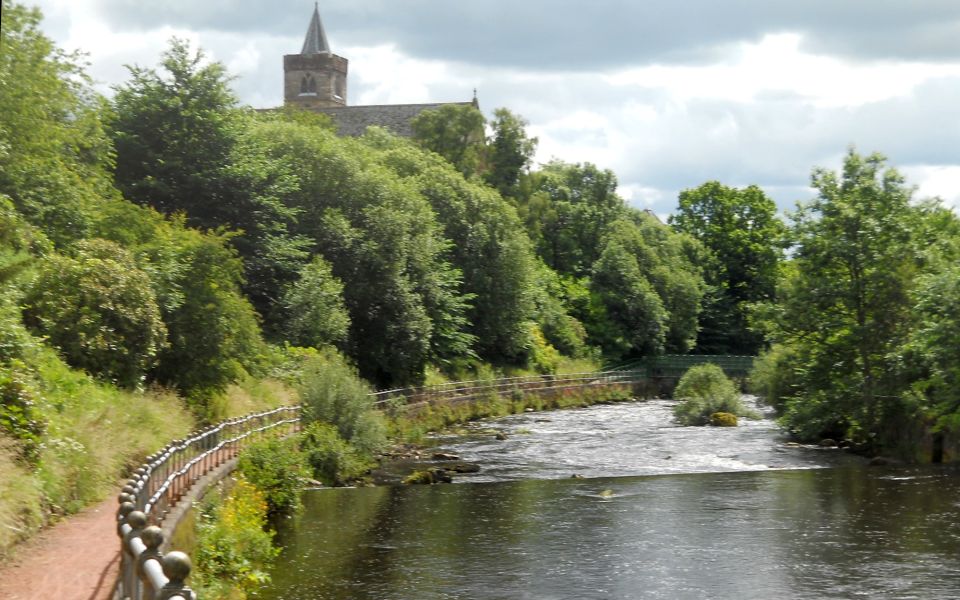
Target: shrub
x=332 y=392
x=774 y=377
x=705 y=390
x=100 y=310
x=722 y=419
x=277 y=469
x=18 y=414
x=234 y=548
x=332 y=460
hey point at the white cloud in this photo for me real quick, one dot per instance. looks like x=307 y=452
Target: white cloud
x=765 y=110
x=776 y=64
x=936 y=181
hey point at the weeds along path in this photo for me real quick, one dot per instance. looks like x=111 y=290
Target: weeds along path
x=77 y=559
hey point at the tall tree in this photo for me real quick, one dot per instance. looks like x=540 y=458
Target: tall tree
x=845 y=304
x=455 y=132
x=569 y=208
x=741 y=229
x=55 y=157
x=510 y=152
x=182 y=147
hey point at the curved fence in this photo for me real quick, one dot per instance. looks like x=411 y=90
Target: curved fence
x=157 y=486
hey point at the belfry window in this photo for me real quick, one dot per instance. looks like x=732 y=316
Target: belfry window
x=308 y=85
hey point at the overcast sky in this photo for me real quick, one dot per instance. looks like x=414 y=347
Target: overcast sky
x=666 y=93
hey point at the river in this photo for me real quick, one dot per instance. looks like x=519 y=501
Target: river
x=661 y=511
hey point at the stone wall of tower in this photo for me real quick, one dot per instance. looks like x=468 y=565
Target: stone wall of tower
x=326 y=89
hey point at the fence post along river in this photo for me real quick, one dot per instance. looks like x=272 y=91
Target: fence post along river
x=152 y=494
x=150 y=497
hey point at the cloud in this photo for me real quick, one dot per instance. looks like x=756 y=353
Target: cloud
x=567 y=35
x=666 y=94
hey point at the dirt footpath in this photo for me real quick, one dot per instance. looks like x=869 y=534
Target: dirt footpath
x=77 y=559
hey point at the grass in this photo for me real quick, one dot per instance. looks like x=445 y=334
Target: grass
x=95 y=435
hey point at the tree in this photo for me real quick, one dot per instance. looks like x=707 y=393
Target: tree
x=54 y=155
x=488 y=246
x=99 y=309
x=455 y=132
x=213 y=331
x=845 y=304
x=510 y=152
x=741 y=230
x=314 y=314
x=182 y=146
x=631 y=317
x=570 y=208
x=382 y=239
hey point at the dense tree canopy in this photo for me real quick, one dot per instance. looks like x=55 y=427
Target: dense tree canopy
x=741 y=230
x=853 y=297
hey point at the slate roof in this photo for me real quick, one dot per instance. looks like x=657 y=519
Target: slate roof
x=354 y=120
x=316 y=40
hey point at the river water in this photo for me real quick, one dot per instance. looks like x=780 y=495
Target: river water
x=661 y=512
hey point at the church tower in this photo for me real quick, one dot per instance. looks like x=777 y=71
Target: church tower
x=315 y=78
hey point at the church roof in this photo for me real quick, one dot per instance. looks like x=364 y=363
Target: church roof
x=316 y=41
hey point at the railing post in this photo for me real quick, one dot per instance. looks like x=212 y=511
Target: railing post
x=152 y=538
x=177 y=567
x=131 y=584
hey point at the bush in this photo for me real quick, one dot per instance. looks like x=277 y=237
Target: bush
x=277 y=469
x=705 y=390
x=234 y=548
x=332 y=392
x=773 y=376
x=332 y=460
x=18 y=413
x=100 y=310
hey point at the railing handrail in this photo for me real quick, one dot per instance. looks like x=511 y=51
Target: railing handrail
x=158 y=484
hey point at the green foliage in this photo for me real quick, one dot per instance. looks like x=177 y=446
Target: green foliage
x=568 y=211
x=773 y=377
x=741 y=230
x=214 y=333
x=314 y=314
x=332 y=459
x=18 y=410
x=704 y=390
x=846 y=303
x=234 y=547
x=54 y=155
x=933 y=347
x=455 y=132
x=276 y=468
x=332 y=393
x=544 y=358
x=509 y=152
x=488 y=246
x=182 y=146
x=99 y=309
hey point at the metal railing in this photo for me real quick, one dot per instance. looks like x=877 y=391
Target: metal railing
x=157 y=486
x=675 y=365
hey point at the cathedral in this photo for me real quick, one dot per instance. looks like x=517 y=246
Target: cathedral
x=316 y=80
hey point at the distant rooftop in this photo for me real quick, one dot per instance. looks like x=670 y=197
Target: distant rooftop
x=316 y=40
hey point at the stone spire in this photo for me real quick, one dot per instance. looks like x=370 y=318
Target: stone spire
x=316 y=41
